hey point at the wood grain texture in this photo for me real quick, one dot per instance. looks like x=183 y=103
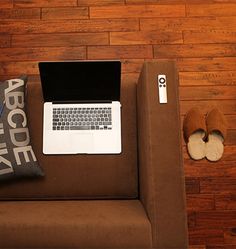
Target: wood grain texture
x=10 y=13
x=65 y=13
x=217 y=9
x=68 y=26
x=213 y=36
x=129 y=11
x=189 y=23
x=44 y=3
x=120 y=52
x=5 y=40
x=200 y=35
x=145 y=37
x=194 y=50
x=100 y=2
x=60 y=40
x=6 y=3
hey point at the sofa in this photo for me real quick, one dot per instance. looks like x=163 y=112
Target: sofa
x=135 y=199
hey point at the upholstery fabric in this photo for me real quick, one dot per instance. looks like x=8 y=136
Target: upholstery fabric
x=17 y=158
x=74 y=224
x=162 y=189
x=81 y=176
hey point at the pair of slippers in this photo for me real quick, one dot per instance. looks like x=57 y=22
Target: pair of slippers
x=205 y=136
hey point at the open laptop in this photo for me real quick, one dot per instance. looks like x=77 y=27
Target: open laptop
x=82 y=110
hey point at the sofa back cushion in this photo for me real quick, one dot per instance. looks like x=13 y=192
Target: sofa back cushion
x=80 y=176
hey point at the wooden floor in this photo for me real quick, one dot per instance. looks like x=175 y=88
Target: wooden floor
x=199 y=34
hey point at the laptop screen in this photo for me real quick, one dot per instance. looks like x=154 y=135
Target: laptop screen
x=80 y=81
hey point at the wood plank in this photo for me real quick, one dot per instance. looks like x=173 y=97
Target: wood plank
x=100 y=2
x=66 y=26
x=217 y=219
x=192 y=185
x=211 y=36
x=226 y=106
x=231 y=137
x=129 y=11
x=209 y=1
x=145 y=37
x=65 y=13
x=155 y=1
x=200 y=202
x=44 y=3
x=6 y=3
x=5 y=41
x=189 y=23
x=221 y=246
x=10 y=13
x=60 y=40
x=206 y=169
x=206 y=235
x=230 y=235
x=217 y=9
x=191 y=218
x=120 y=52
x=230 y=153
x=207 y=92
x=198 y=64
x=19 y=68
x=216 y=78
x=194 y=50
x=197 y=247
x=206 y=64
x=218 y=185
x=225 y=201
x=25 y=54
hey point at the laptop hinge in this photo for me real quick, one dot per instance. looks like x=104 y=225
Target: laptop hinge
x=82 y=102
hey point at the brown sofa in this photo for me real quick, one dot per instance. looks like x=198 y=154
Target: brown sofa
x=132 y=200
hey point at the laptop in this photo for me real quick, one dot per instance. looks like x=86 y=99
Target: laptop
x=82 y=110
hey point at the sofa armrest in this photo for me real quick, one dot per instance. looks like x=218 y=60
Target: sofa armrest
x=162 y=189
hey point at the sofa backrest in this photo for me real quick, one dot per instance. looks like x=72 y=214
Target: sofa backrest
x=80 y=176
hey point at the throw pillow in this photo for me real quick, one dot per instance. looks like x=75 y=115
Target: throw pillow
x=17 y=158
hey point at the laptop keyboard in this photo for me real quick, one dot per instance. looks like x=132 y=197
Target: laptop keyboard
x=82 y=118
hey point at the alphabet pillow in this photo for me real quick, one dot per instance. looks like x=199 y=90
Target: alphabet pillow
x=17 y=158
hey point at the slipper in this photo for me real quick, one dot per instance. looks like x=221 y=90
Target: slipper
x=194 y=127
x=217 y=129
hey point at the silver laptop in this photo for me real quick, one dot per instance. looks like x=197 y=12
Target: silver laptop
x=82 y=110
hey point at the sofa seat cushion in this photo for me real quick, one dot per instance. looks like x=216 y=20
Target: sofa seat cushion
x=80 y=224
x=81 y=176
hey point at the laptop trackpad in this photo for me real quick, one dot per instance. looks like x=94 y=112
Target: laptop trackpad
x=82 y=142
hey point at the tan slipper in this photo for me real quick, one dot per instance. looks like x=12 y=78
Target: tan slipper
x=217 y=129
x=194 y=127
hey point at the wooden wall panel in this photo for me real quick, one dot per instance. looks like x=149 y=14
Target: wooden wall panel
x=5 y=41
x=211 y=10
x=213 y=36
x=44 y=3
x=6 y=3
x=10 y=13
x=60 y=40
x=194 y=50
x=145 y=37
x=100 y=2
x=120 y=52
x=189 y=23
x=129 y=11
x=65 y=13
x=69 y=26
x=200 y=35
